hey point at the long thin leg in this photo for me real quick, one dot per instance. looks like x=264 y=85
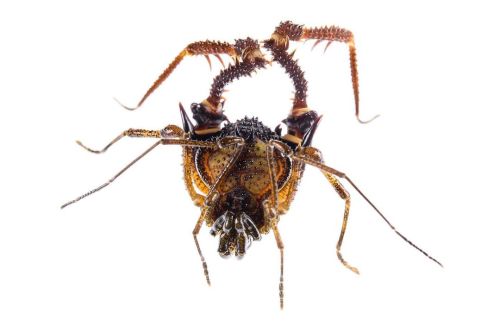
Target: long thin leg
x=182 y=142
x=112 y=179
x=196 y=231
x=198 y=48
x=279 y=242
x=271 y=212
x=308 y=156
x=169 y=132
x=344 y=195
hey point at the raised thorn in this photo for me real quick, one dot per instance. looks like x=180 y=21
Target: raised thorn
x=220 y=60
x=209 y=61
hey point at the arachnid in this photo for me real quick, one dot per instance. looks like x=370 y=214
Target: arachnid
x=242 y=174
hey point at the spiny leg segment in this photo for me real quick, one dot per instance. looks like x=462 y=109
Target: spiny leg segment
x=252 y=59
x=285 y=59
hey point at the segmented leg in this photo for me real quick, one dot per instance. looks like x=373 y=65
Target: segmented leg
x=271 y=214
x=309 y=156
x=279 y=242
x=132 y=132
x=344 y=195
x=196 y=231
x=204 y=48
x=171 y=135
x=112 y=179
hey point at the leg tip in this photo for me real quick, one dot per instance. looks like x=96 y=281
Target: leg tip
x=367 y=121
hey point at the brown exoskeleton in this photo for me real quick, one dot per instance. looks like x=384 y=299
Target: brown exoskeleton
x=243 y=175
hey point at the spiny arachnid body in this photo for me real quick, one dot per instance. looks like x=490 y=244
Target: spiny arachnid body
x=242 y=174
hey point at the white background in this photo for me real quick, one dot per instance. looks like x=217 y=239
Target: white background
x=124 y=260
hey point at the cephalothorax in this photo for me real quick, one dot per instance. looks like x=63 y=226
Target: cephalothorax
x=242 y=174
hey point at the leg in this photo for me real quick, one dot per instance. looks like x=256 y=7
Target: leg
x=196 y=231
x=271 y=213
x=112 y=179
x=213 y=193
x=344 y=195
x=166 y=133
x=315 y=155
x=198 y=48
x=309 y=156
x=279 y=242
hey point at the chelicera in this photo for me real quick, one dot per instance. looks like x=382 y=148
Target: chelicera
x=242 y=175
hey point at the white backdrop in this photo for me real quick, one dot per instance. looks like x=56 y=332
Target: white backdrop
x=124 y=260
